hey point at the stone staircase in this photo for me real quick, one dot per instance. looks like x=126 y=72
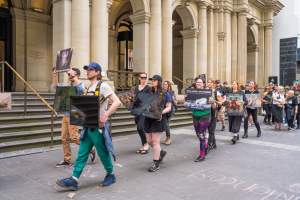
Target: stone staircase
x=21 y=132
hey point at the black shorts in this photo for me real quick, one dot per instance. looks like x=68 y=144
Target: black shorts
x=154 y=125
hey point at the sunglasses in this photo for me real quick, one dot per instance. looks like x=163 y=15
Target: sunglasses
x=143 y=77
x=69 y=74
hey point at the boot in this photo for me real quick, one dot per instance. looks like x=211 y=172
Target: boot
x=223 y=128
x=258 y=133
x=245 y=134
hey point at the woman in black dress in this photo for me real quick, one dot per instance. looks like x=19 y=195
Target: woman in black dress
x=235 y=111
x=154 y=126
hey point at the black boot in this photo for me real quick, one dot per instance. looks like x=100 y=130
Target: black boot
x=245 y=134
x=258 y=133
x=223 y=128
x=234 y=139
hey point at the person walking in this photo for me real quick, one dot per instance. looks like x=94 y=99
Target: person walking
x=278 y=104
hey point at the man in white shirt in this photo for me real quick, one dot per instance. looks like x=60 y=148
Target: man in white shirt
x=93 y=136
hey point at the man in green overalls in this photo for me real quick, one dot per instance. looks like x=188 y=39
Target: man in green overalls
x=94 y=137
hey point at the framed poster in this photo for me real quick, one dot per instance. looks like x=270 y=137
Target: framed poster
x=254 y=100
x=63 y=60
x=84 y=111
x=127 y=98
x=197 y=98
x=62 y=98
x=5 y=101
x=235 y=105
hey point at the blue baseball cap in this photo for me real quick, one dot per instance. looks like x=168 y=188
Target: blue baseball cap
x=94 y=66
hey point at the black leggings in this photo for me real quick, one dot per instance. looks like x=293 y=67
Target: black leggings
x=268 y=110
x=140 y=120
x=211 y=131
x=252 y=112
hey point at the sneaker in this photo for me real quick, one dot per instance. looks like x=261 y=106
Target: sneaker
x=155 y=167
x=234 y=139
x=108 y=180
x=199 y=159
x=162 y=155
x=63 y=164
x=68 y=183
x=223 y=128
x=93 y=155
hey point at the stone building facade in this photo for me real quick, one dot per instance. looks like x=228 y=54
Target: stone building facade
x=180 y=39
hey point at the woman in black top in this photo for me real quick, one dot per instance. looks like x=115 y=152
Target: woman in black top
x=161 y=104
x=267 y=104
x=251 y=109
x=235 y=118
x=139 y=92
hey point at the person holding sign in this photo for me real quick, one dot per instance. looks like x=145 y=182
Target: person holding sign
x=201 y=111
x=69 y=133
x=235 y=110
x=252 y=96
x=213 y=122
x=93 y=136
x=155 y=119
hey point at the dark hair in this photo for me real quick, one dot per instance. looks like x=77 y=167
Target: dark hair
x=76 y=70
x=169 y=85
x=99 y=76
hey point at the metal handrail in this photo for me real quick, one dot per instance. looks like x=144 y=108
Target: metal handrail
x=53 y=112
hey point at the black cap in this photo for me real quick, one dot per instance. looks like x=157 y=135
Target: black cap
x=156 y=77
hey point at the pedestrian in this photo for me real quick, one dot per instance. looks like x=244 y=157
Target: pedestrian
x=69 y=133
x=140 y=91
x=277 y=108
x=220 y=101
x=267 y=104
x=251 y=109
x=235 y=111
x=167 y=87
x=201 y=121
x=212 y=144
x=291 y=109
x=92 y=136
x=153 y=126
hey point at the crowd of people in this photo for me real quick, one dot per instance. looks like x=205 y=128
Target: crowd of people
x=154 y=105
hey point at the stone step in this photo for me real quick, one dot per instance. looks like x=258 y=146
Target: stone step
x=5 y=128
x=32 y=95
x=30 y=105
x=20 y=135
x=28 y=119
x=37 y=142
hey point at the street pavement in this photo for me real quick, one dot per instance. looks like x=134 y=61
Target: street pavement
x=266 y=168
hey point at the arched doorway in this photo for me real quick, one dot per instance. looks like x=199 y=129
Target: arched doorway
x=177 y=53
x=252 y=55
x=185 y=36
x=6 y=45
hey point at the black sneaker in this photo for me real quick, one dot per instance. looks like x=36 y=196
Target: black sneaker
x=234 y=139
x=199 y=159
x=162 y=155
x=63 y=164
x=155 y=167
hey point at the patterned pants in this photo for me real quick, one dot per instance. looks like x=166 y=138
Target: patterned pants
x=201 y=124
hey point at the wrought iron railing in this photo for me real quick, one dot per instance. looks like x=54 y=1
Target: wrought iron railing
x=123 y=80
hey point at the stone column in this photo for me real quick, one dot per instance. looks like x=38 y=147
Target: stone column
x=268 y=43
x=100 y=32
x=167 y=45
x=221 y=39
x=227 y=45
x=242 y=48
x=216 y=50
x=202 y=40
x=189 y=53
x=113 y=49
x=141 y=21
x=61 y=29
x=234 y=46
x=155 y=38
x=80 y=38
x=261 y=55
x=210 y=44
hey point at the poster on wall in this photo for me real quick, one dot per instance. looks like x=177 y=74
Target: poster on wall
x=63 y=60
x=5 y=101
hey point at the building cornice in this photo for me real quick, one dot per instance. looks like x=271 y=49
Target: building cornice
x=140 y=17
x=189 y=33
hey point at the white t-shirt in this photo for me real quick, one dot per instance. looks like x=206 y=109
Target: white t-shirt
x=277 y=97
x=105 y=92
